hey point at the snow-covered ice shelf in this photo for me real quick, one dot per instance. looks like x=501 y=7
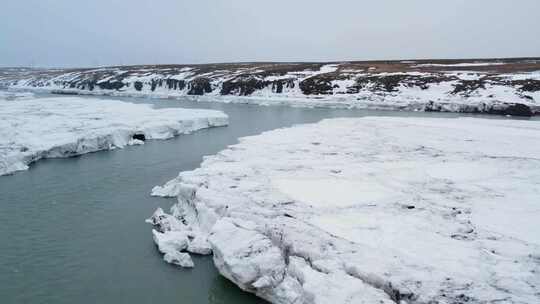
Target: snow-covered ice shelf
x=35 y=128
x=368 y=210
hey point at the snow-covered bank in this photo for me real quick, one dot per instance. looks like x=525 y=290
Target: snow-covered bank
x=454 y=86
x=12 y=95
x=368 y=210
x=31 y=129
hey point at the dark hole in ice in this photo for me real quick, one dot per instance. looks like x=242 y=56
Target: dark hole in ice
x=139 y=137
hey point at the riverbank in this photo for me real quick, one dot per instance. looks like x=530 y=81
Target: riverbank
x=491 y=86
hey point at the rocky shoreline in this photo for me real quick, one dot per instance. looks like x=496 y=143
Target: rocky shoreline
x=491 y=86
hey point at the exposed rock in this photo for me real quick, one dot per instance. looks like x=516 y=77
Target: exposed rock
x=60 y=92
x=391 y=83
x=243 y=86
x=280 y=84
x=466 y=87
x=199 y=86
x=108 y=85
x=317 y=85
x=175 y=84
x=139 y=136
x=138 y=85
x=513 y=109
x=527 y=85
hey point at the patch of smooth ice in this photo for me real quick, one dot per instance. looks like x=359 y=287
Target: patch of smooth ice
x=405 y=210
x=35 y=128
x=330 y=192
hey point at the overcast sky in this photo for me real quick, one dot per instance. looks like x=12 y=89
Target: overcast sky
x=106 y=32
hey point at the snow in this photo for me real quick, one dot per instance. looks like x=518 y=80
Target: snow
x=246 y=256
x=523 y=76
x=325 y=192
x=171 y=245
x=7 y=95
x=371 y=210
x=464 y=64
x=328 y=68
x=467 y=75
x=437 y=87
x=35 y=128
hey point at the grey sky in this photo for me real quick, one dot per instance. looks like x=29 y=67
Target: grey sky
x=105 y=32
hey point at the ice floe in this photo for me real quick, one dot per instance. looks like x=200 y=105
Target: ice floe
x=370 y=210
x=35 y=128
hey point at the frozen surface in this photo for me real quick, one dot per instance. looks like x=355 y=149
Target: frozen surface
x=8 y=95
x=463 y=64
x=370 y=210
x=35 y=128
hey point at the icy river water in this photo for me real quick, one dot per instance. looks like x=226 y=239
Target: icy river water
x=73 y=231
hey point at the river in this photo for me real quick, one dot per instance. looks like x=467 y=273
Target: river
x=73 y=231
